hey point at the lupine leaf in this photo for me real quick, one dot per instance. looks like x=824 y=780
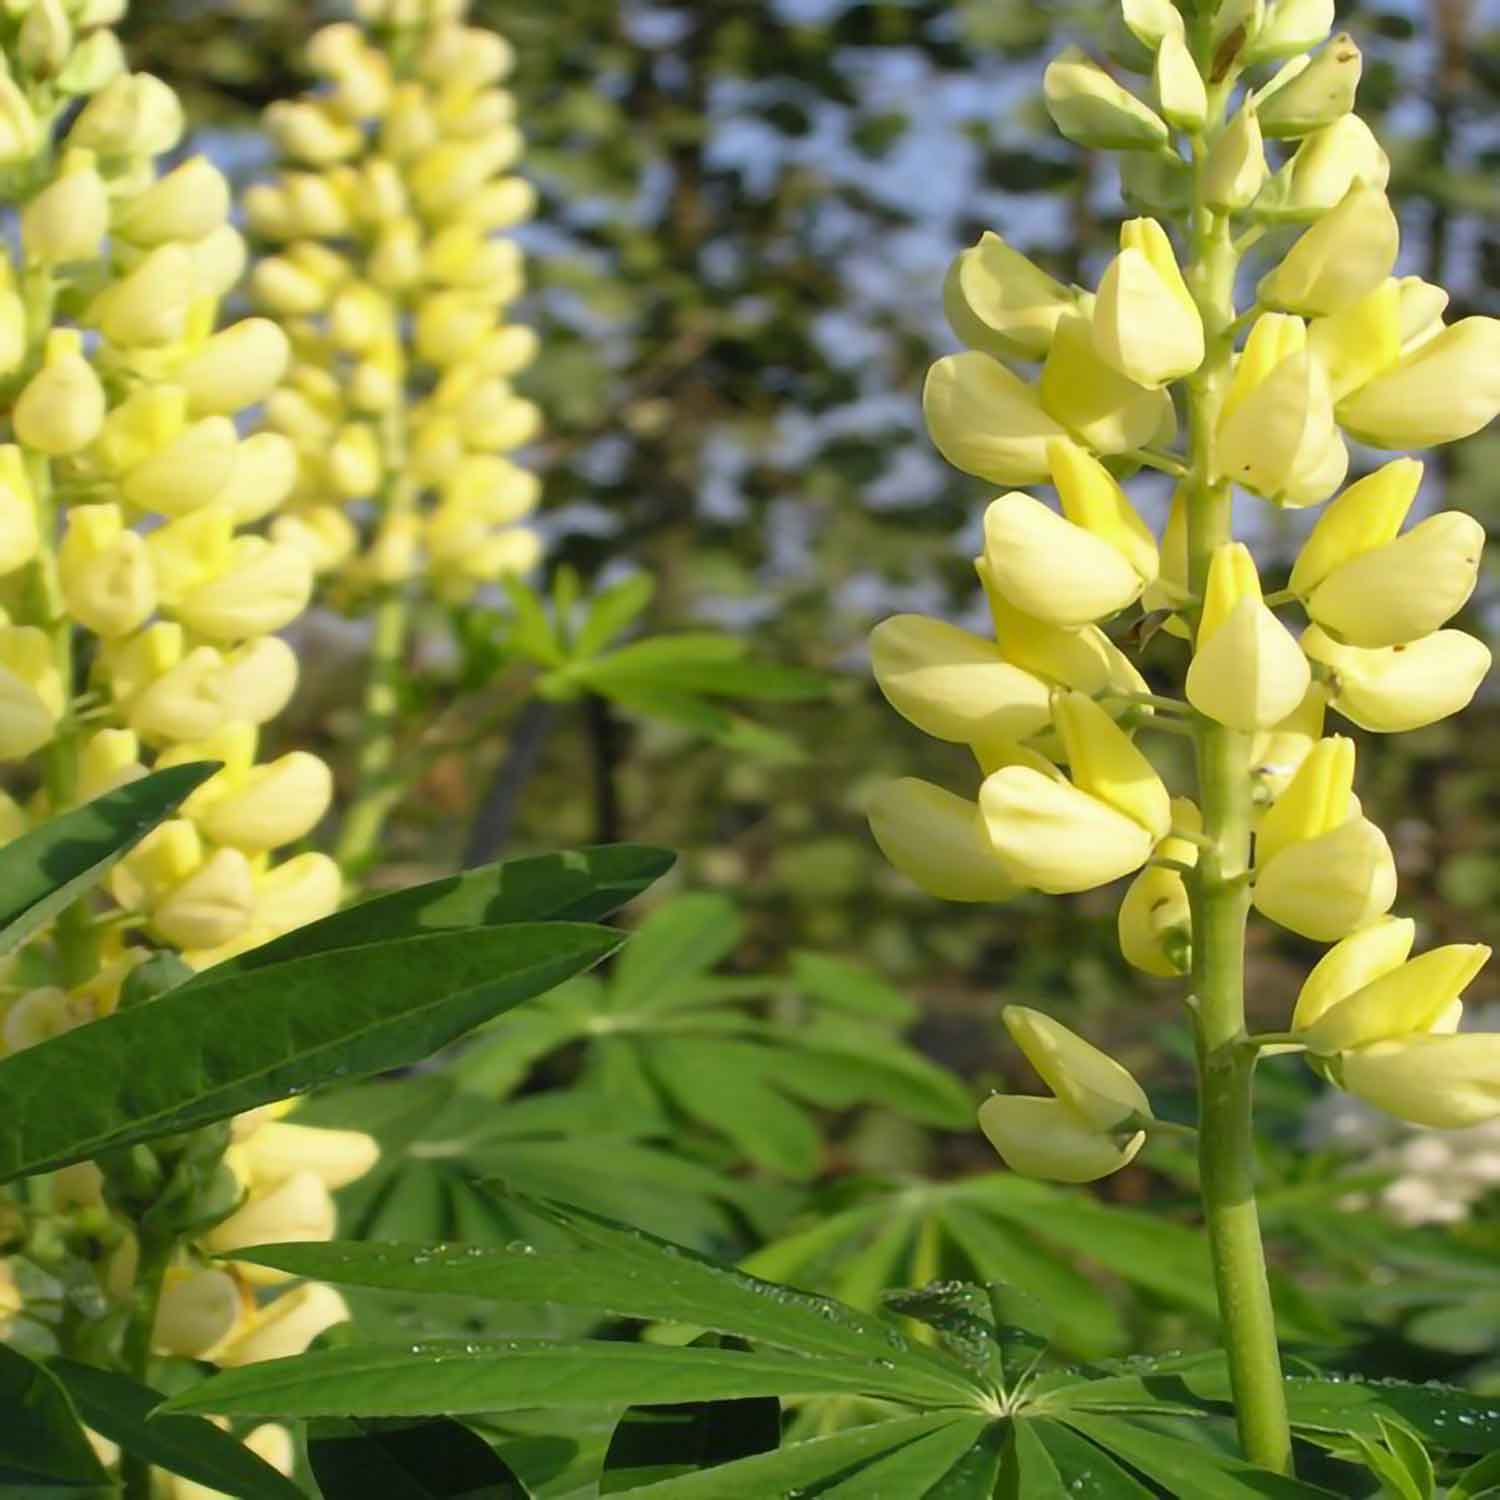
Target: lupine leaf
x=213 y=1048
x=926 y=1467
x=42 y=1441
x=459 y=1377
x=1086 y=1471
x=45 y=870
x=121 y=1409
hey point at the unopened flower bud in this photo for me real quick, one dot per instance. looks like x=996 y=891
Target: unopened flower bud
x=150 y=305
x=45 y=38
x=235 y=368
x=197 y=1310
x=105 y=571
x=1236 y=169
x=1293 y=26
x=302 y=889
x=1248 y=671
x=20 y=135
x=1180 y=92
x=276 y=803
x=309 y=132
x=190 y=201
x=68 y=219
x=1343 y=257
x=263 y=587
x=286 y=1326
x=1146 y=324
x=61 y=409
x=1326 y=165
x=134 y=115
x=1092 y=110
x=211 y=906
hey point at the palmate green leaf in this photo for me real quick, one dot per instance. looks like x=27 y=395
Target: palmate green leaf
x=683 y=939
x=805 y=1469
x=1186 y=1468
x=610 y=611
x=846 y=987
x=573 y=885
x=441 y=1145
x=460 y=1377
x=437 y=1459
x=42 y=1441
x=625 y=1272
x=121 y=1409
x=216 y=1047
x=45 y=870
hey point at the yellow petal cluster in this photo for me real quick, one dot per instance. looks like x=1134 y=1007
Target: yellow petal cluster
x=387 y=264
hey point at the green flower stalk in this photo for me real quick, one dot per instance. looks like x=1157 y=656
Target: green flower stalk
x=390 y=269
x=1241 y=138
x=139 y=612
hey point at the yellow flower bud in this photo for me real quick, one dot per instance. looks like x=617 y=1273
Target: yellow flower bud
x=296 y=1210
x=283 y=288
x=937 y=841
x=188 y=472
x=278 y=1151
x=498 y=205
x=286 y=1326
x=1052 y=569
x=445 y=174
x=450 y=326
x=360 y=318
x=494 y=488
x=302 y=889
x=189 y=202
x=105 y=571
x=332 y=49
x=1092 y=110
x=256 y=681
x=1351 y=964
x=1444 y=1082
x=264 y=473
x=954 y=685
x=20 y=135
x=986 y=420
x=61 y=408
x=1276 y=433
x=1326 y=165
x=1235 y=169
x=1180 y=92
x=1445 y=389
x=235 y=368
x=1085 y=659
x=1360 y=341
x=500 y=554
x=1053 y=836
x=1368 y=515
x=68 y=219
x=18 y=527
x=1325 y=888
x=1044 y=1139
x=150 y=305
x=394 y=555
x=1347 y=254
x=1090 y=1082
x=310 y=132
x=182 y=703
x=46 y=37
x=1103 y=762
x=209 y=907
x=1405 y=589
x=108 y=759
x=1292 y=26
x=1248 y=671
x=1314 y=95
x=273 y=804
x=268 y=212
x=191 y=549
x=1151 y=22
x=998 y=302
x=264 y=586
x=374 y=387
x=322 y=533
x=1146 y=325
x=134 y=115
x=31 y=691
x=197 y=1310
x=1411 y=998
x=461 y=255
x=96 y=61
x=1101 y=408
x=41 y=1014
x=409 y=127
x=1316 y=800
x=163 y=859
x=1154 y=924
x=1394 y=689
x=465 y=55
x=218 y=261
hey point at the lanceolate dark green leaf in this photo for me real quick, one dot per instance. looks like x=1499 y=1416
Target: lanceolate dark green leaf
x=625 y=1273
x=1087 y=1472
x=121 y=1409
x=42 y=1441
x=213 y=1048
x=48 y=868
x=436 y=1459
x=1186 y=1468
x=575 y=885
x=464 y=1377
x=806 y=1468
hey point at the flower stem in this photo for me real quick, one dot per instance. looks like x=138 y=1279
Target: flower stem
x=1219 y=891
